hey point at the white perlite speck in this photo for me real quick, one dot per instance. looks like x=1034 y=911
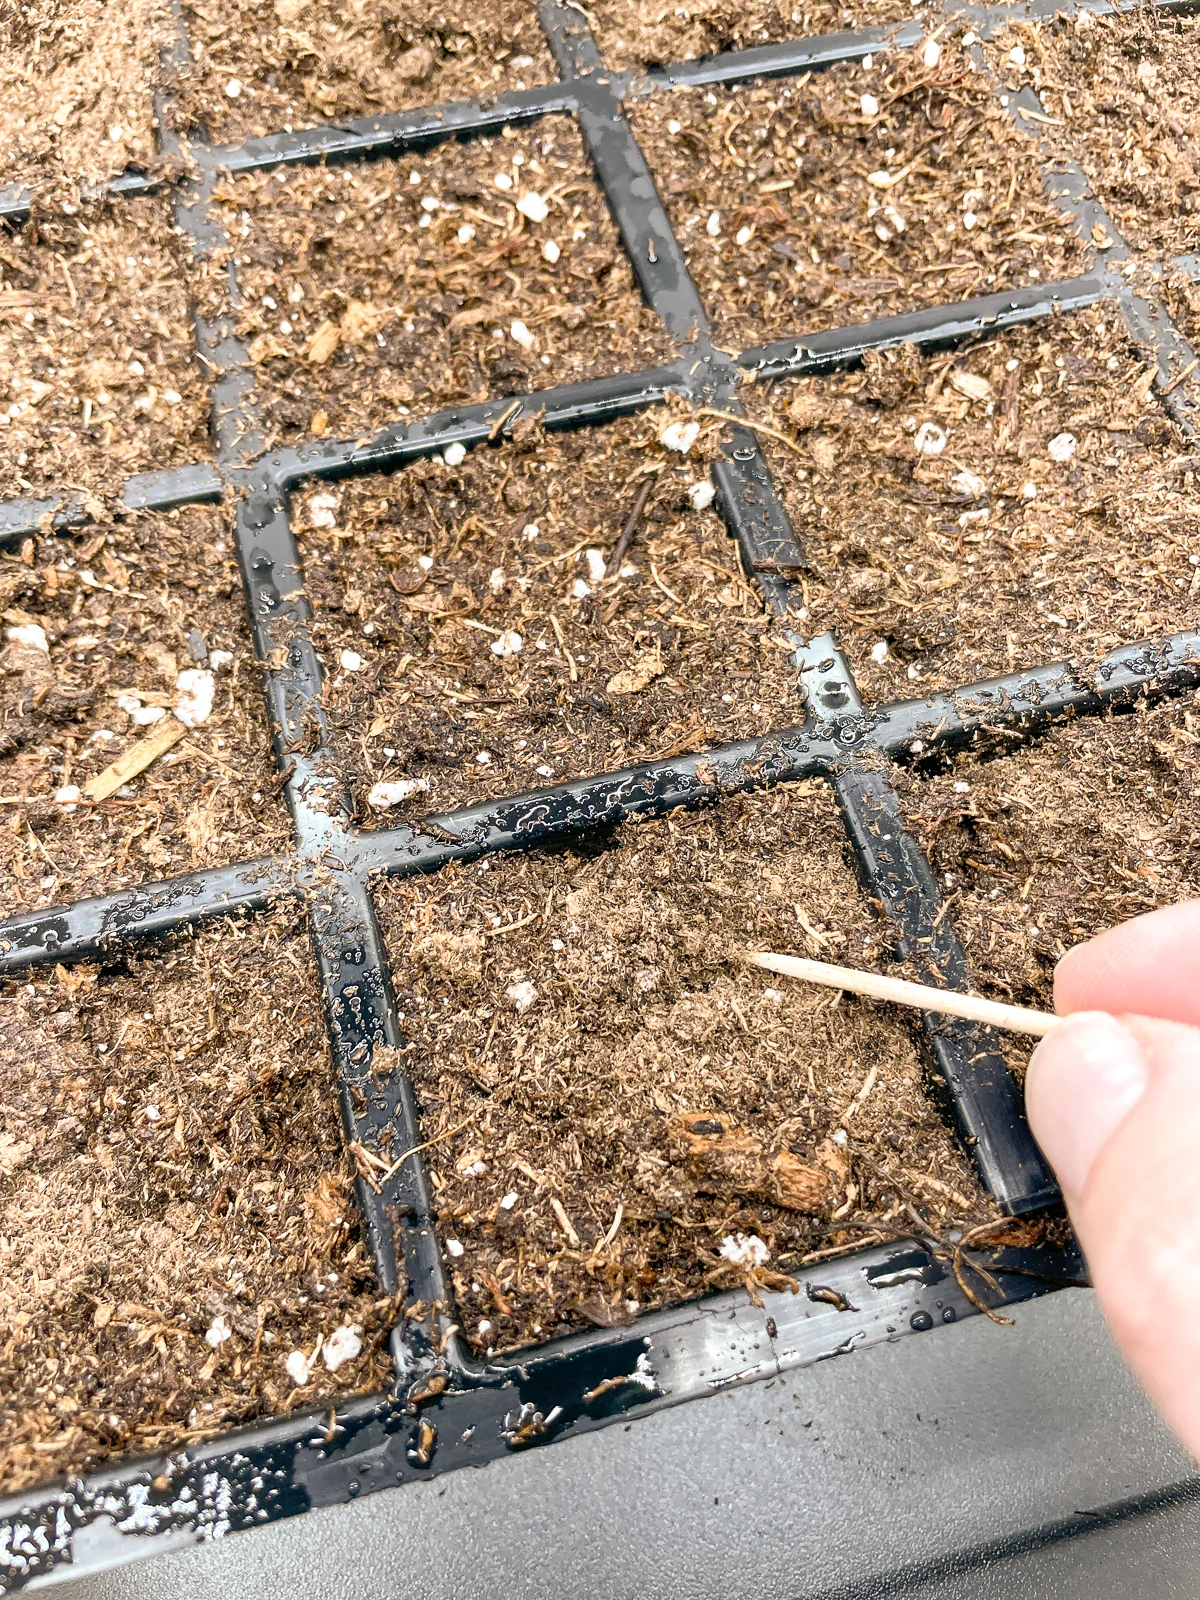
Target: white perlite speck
x=596 y=564
x=930 y=439
x=532 y=205
x=1062 y=447
x=30 y=635
x=297 y=1368
x=351 y=661
x=324 y=511
x=343 y=1344
x=679 y=436
x=744 y=1250
x=139 y=714
x=465 y=233
x=68 y=796
x=454 y=454
x=522 y=335
x=968 y=484
x=233 y=88
x=580 y=589
x=194 y=689
x=870 y=106
x=522 y=995
x=509 y=1201
x=454 y=1248
x=702 y=495
x=508 y=644
x=550 y=251
x=931 y=54
x=384 y=796
x=218 y=1331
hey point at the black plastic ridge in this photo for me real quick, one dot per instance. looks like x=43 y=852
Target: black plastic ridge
x=576 y=405
x=1149 y=325
x=376 y=1108
x=91 y=930
x=838 y=348
x=908 y=729
x=905 y=731
x=972 y=1073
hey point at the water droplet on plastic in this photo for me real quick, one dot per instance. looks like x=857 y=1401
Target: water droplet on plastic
x=920 y=1322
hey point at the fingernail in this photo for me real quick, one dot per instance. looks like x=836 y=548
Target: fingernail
x=1084 y=1079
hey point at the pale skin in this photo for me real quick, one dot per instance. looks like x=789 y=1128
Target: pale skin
x=1114 y=1100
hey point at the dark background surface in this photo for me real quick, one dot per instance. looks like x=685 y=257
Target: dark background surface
x=944 y=1465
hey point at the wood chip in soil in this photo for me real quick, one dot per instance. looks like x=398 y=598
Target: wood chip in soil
x=98 y=373
x=585 y=1010
x=859 y=194
x=633 y=35
x=475 y=648
x=178 y=1211
x=1057 y=519
x=122 y=611
x=1043 y=848
x=258 y=67
x=77 y=80
x=366 y=293
x=1122 y=95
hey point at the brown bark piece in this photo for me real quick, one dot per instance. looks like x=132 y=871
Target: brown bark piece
x=721 y=1153
x=136 y=759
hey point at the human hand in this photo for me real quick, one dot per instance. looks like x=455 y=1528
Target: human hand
x=1113 y=1096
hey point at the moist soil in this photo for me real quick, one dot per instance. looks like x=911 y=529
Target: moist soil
x=77 y=80
x=626 y=1083
x=371 y=289
x=419 y=579
x=98 y=373
x=178 y=1211
x=124 y=609
x=259 y=67
x=1124 y=96
x=634 y=35
x=939 y=570
x=1041 y=849
x=844 y=212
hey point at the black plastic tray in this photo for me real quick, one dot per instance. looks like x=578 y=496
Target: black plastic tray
x=447 y=1410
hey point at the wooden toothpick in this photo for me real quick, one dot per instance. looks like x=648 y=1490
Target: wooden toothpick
x=1016 y=1019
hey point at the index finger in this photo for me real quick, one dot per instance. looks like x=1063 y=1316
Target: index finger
x=1149 y=966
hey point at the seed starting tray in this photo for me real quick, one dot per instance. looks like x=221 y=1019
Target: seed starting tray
x=447 y=1409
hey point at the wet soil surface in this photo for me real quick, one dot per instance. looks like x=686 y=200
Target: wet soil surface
x=98 y=629
x=98 y=375
x=1041 y=849
x=638 y=1102
x=418 y=284
x=178 y=1215
x=1056 y=518
x=1123 y=94
x=856 y=194
x=488 y=652
x=77 y=80
x=258 y=67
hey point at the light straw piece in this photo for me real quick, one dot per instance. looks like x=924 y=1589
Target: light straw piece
x=1015 y=1019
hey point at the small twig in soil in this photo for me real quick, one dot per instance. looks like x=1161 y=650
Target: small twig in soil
x=428 y=1145
x=754 y=427
x=949 y=1002
x=501 y=420
x=626 y=538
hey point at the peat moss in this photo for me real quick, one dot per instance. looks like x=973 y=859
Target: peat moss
x=572 y=1010
x=123 y=610
x=178 y=1214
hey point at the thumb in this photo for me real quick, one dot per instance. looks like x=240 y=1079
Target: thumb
x=1114 y=1103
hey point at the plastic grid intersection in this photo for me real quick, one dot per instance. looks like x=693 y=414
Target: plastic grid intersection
x=333 y=863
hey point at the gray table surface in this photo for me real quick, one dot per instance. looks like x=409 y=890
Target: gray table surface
x=908 y=1470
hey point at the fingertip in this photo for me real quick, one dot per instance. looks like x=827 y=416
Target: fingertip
x=1083 y=1080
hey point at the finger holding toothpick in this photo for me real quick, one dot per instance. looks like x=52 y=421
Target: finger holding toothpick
x=1014 y=1019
